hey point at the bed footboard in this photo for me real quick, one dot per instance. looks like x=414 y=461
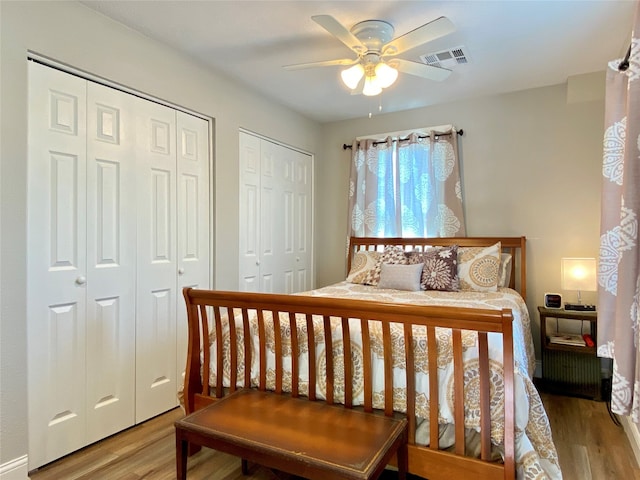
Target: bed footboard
x=276 y=343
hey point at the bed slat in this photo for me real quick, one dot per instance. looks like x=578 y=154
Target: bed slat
x=348 y=364
x=277 y=334
x=205 y=334
x=366 y=365
x=311 y=345
x=410 y=379
x=293 y=327
x=328 y=350
x=262 y=354
x=485 y=397
x=434 y=389
x=219 y=352
x=246 y=333
x=458 y=393
x=233 y=350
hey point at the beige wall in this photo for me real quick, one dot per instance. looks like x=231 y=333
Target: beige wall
x=531 y=166
x=72 y=34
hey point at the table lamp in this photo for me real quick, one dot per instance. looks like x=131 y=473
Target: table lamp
x=579 y=274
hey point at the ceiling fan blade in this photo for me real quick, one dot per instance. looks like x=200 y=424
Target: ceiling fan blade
x=430 y=31
x=325 y=63
x=420 y=69
x=339 y=31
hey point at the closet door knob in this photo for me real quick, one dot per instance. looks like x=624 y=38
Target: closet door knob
x=81 y=280
x=258 y=263
x=181 y=271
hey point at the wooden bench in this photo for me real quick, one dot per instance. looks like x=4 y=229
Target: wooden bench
x=313 y=440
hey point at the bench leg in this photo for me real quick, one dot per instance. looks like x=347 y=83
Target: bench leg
x=244 y=466
x=403 y=461
x=182 y=447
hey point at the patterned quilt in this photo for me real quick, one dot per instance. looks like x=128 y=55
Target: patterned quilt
x=536 y=456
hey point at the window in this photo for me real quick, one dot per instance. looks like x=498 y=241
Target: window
x=407 y=188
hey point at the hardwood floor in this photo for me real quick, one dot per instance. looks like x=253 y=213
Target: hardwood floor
x=590 y=446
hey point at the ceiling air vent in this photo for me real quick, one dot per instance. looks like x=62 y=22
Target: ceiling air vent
x=447 y=58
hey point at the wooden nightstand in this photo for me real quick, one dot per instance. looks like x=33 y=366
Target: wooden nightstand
x=569 y=369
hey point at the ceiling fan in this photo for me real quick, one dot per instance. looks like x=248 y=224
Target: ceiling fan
x=376 y=66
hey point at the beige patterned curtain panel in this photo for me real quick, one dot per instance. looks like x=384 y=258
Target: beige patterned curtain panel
x=619 y=263
x=406 y=187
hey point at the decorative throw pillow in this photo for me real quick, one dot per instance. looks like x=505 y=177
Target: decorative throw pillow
x=363 y=262
x=479 y=268
x=440 y=271
x=505 y=270
x=400 y=277
x=392 y=254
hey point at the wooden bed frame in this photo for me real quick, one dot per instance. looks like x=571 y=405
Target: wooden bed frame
x=207 y=310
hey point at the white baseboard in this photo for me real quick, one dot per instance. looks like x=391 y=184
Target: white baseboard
x=16 y=469
x=631 y=429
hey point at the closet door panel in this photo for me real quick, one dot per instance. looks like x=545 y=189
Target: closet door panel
x=271 y=219
x=303 y=223
x=286 y=210
x=111 y=261
x=156 y=383
x=56 y=268
x=194 y=265
x=249 y=208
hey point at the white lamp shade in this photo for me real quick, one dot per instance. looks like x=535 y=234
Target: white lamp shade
x=352 y=76
x=386 y=75
x=579 y=274
x=371 y=87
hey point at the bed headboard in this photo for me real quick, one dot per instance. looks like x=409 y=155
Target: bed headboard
x=516 y=246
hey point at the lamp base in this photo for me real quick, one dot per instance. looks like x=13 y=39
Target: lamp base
x=581 y=307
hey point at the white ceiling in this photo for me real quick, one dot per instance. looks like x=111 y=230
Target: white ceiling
x=512 y=44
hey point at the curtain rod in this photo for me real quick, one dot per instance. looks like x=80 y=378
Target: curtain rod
x=624 y=64
x=459 y=132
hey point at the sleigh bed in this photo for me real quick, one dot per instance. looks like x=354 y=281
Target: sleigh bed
x=456 y=358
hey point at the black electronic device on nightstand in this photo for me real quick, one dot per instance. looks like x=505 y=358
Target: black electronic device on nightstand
x=552 y=300
x=579 y=307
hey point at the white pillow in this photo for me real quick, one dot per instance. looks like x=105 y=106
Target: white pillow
x=400 y=277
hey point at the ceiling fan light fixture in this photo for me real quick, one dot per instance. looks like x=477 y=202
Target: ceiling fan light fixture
x=386 y=74
x=371 y=86
x=351 y=76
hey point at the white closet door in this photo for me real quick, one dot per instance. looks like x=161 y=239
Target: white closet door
x=156 y=383
x=111 y=261
x=284 y=217
x=303 y=227
x=56 y=268
x=118 y=222
x=275 y=217
x=194 y=264
x=249 y=204
x=271 y=219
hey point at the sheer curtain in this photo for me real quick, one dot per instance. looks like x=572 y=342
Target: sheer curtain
x=406 y=188
x=619 y=265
